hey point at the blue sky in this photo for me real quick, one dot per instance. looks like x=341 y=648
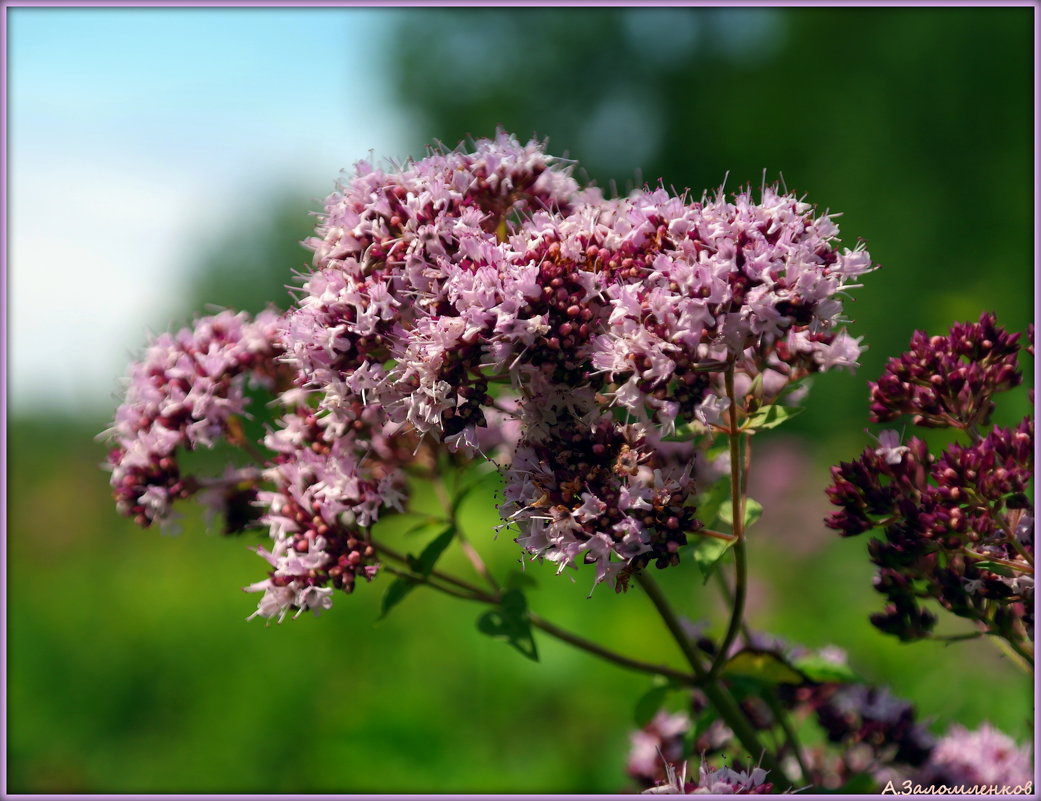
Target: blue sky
x=134 y=133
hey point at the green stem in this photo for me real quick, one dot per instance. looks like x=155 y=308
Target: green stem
x=949 y=638
x=717 y=694
x=598 y=650
x=463 y=585
x=781 y=716
x=471 y=553
x=418 y=579
x=473 y=593
x=728 y=596
x=1019 y=656
x=737 y=507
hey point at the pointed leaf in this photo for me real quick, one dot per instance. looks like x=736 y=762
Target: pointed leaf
x=395 y=594
x=648 y=704
x=770 y=417
x=509 y=621
x=707 y=552
x=997 y=567
x=424 y=563
x=820 y=670
x=710 y=503
x=753 y=511
x=690 y=740
x=766 y=667
x=519 y=579
x=425 y=523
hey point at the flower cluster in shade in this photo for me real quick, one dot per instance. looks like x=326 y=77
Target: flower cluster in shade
x=866 y=732
x=481 y=299
x=957 y=527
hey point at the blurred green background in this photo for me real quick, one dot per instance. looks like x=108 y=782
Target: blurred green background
x=130 y=667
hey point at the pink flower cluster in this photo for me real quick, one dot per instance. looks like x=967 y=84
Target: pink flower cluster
x=183 y=394
x=482 y=298
x=713 y=781
x=464 y=281
x=984 y=757
x=325 y=496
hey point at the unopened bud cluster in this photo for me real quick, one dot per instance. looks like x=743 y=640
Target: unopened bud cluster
x=958 y=527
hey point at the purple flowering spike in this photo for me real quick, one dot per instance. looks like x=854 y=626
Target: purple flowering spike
x=958 y=527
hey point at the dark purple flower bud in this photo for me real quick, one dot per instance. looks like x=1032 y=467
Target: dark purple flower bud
x=948 y=380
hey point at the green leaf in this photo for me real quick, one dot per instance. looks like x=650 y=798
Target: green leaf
x=770 y=417
x=395 y=594
x=519 y=579
x=707 y=552
x=648 y=704
x=424 y=563
x=997 y=567
x=710 y=503
x=820 y=670
x=753 y=511
x=470 y=480
x=766 y=667
x=509 y=621
x=426 y=523
x=742 y=687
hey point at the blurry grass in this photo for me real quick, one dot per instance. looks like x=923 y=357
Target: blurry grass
x=131 y=668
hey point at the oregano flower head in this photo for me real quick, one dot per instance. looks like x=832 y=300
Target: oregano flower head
x=480 y=299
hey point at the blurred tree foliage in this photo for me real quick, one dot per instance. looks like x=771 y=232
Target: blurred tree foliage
x=250 y=268
x=915 y=123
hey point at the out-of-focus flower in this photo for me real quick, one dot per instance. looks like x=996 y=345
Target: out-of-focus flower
x=985 y=757
x=713 y=781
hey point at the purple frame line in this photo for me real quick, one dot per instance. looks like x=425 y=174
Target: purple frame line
x=516 y=4
x=3 y=381
x=1037 y=310
x=6 y=4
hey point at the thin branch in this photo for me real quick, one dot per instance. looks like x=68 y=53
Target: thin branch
x=1020 y=657
x=618 y=659
x=476 y=594
x=781 y=716
x=464 y=543
x=719 y=535
x=737 y=506
x=418 y=579
x=391 y=553
x=717 y=694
